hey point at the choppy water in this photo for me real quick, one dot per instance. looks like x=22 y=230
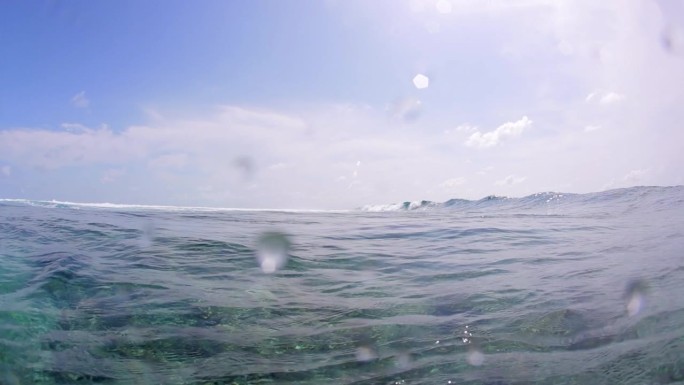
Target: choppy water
x=547 y=289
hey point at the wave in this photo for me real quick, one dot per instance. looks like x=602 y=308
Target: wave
x=659 y=197
x=137 y=207
x=654 y=196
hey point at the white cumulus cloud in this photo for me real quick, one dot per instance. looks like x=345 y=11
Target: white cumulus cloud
x=635 y=176
x=632 y=178
x=605 y=98
x=510 y=180
x=611 y=97
x=493 y=138
x=79 y=100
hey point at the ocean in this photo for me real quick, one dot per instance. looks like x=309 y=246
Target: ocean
x=547 y=289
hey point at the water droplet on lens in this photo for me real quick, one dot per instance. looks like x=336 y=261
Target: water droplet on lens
x=246 y=165
x=403 y=360
x=475 y=357
x=672 y=39
x=272 y=252
x=443 y=6
x=634 y=296
x=417 y=6
x=366 y=353
x=269 y=265
x=432 y=26
x=421 y=81
x=635 y=303
x=147 y=235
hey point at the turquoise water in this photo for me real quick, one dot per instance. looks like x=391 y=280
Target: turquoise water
x=546 y=289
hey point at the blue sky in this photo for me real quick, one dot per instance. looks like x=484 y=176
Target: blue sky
x=312 y=104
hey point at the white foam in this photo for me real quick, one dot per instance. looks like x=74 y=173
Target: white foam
x=399 y=206
x=120 y=206
x=382 y=208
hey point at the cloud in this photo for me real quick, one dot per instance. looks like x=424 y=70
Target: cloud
x=6 y=171
x=50 y=150
x=485 y=170
x=453 y=182
x=605 y=98
x=611 y=97
x=406 y=109
x=510 y=180
x=466 y=128
x=278 y=166
x=473 y=6
x=80 y=101
x=324 y=157
x=493 y=138
x=632 y=178
x=556 y=52
x=635 y=176
x=75 y=127
x=559 y=50
x=112 y=175
x=457 y=134
x=169 y=161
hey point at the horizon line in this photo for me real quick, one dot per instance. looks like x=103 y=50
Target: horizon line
x=214 y=208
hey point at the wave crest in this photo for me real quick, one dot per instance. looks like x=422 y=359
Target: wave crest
x=657 y=195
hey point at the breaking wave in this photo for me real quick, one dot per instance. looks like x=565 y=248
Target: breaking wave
x=655 y=195
x=136 y=207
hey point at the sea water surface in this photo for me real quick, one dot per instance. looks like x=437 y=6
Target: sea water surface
x=547 y=289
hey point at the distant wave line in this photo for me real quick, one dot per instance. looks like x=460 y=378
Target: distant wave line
x=529 y=201
x=106 y=205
